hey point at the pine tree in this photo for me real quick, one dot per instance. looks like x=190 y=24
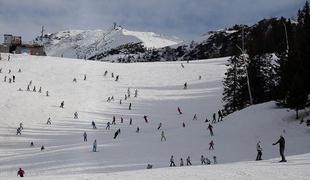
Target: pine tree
x=235 y=93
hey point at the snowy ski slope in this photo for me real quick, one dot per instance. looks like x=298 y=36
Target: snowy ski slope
x=160 y=92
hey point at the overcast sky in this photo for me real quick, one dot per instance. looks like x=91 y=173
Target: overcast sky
x=186 y=19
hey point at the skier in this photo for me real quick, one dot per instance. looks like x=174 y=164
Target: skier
x=128 y=92
x=95 y=146
x=214 y=118
x=74 y=80
x=10 y=80
x=13 y=78
x=136 y=93
x=19 y=70
x=116 y=134
x=182 y=65
x=62 y=104
x=130 y=121
x=9 y=57
x=181 y=162
x=207 y=120
x=116 y=79
x=113 y=121
x=214 y=160
x=185 y=85
x=199 y=77
x=31 y=144
x=138 y=130
x=21 y=126
x=112 y=75
x=112 y=98
x=18 y=131
x=109 y=99
x=183 y=124
x=120 y=101
x=76 y=115
x=163 y=137
x=40 y=89
x=259 y=151
x=20 y=172
x=208 y=161
x=210 y=127
x=159 y=126
x=93 y=124
x=105 y=73
x=108 y=126
x=9 y=71
x=34 y=89
x=172 y=161
x=220 y=116
x=145 y=119
x=122 y=120
x=281 y=143
x=49 y=121
x=42 y=148
x=85 y=136
x=203 y=160
x=211 y=145
x=47 y=93
x=4 y=79
x=179 y=110
x=188 y=161
x=84 y=77
x=195 y=117
x=125 y=97
x=129 y=106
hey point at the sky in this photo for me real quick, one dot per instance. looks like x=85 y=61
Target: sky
x=186 y=19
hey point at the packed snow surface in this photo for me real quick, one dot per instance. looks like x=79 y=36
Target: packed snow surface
x=160 y=92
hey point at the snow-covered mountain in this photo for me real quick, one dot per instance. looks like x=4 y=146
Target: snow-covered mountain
x=88 y=43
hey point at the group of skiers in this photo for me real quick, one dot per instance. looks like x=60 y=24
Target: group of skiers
x=203 y=161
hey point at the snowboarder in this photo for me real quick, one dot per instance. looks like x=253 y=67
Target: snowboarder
x=108 y=126
x=185 y=85
x=214 y=118
x=76 y=115
x=208 y=161
x=210 y=127
x=159 y=126
x=20 y=172
x=172 y=161
x=49 y=121
x=129 y=106
x=85 y=136
x=214 y=160
x=95 y=146
x=114 y=120
x=179 y=110
x=130 y=121
x=62 y=104
x=40 y=89
x=220 y=116
x=259 y=151
x=195 y=117
x=188 y=161
x=181 y=162
x=281 y=143
x=203 y=160
x=145 y=119
x=211 y=145
x=93 y=124
x=84 y=77
x=136 y=93
x=207 y=120
x=163 y=137
x=18 y=131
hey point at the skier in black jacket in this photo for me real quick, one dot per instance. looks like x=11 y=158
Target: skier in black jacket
x=281 y=142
